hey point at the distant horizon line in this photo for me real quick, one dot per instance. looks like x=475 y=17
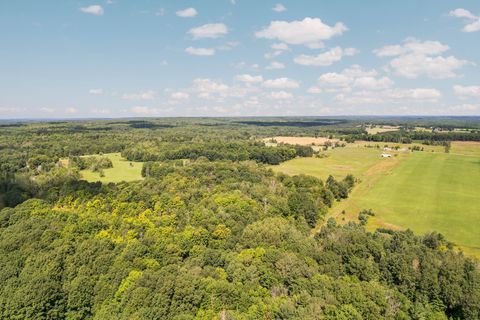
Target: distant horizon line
x=236 y=117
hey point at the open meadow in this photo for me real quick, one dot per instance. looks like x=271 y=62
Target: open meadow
x=338 y=162
x=428 y=192
x=425 y=191
x=122 y=170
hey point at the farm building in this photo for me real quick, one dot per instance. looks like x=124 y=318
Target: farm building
x=386 y=155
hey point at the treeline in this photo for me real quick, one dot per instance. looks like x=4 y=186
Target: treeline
x=402 y=136
x=212 y=240
x=93 y=163
x=234 y=151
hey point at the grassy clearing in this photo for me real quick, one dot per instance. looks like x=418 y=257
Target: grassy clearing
x=304 y=141
x=424 y=191
x=354 y=159
x=428 y=192
x=123 y=170
x=380 y=129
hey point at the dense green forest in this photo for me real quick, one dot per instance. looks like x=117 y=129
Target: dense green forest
x=211 y=232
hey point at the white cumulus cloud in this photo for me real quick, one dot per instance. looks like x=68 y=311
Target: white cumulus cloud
x=179 y=95
x=309 y=31
x=96 y=10
x=200 y=51
x=187 y=13
x=280 y=95
x=249 y=78
x=473 y=21
x=326 y=58
x=279 y=8
x=281 y=83
x=415 y=58
x=355 y=77
x=275 y=65
x=210 y=30
x=467 y=91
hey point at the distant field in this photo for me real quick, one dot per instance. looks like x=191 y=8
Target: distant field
x=470 y=148
x=123 y=170
x=380 y=129
x=354 y=159
x=426 y=148
x=304 y=141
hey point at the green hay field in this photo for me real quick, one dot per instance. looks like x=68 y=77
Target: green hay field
x=121 y=171
x=423 y=191
x=354 y=159
x=429 y=192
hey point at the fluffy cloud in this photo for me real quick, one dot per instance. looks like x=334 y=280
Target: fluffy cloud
x=210 y=30
x=144 y=95
x=274 y=65
x=324 y=59
x=463 y=13
x=94 y=9
x=96 y=92
x=187 y=13
x=281 y=83
x=179 y=95
x=372 y=83
x=468 y=91
x=309 y=31
x=280 y=95
x=249 y=78
x=415 y=58
x=473 y=24
x=279 y=8
x=412 y=46
x=416 y=94
x=200 y=51
x=205 y=88
x=355 y=77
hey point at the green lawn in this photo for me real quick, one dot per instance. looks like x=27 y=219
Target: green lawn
x=354 y=159
x=123 y=170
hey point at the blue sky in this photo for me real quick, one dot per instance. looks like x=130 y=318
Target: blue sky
x=119 y=58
